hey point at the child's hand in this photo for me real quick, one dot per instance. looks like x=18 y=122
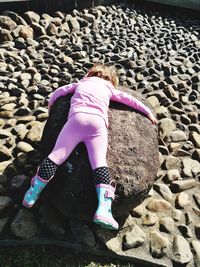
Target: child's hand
x=152 y=118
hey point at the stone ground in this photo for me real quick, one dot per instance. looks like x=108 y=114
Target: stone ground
x=157 y=54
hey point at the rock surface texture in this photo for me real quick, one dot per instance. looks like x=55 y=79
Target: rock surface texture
x=157 y=54
x=132 y=157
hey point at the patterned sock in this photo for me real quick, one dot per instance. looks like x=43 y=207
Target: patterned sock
x=101 y=175
x=47 y=169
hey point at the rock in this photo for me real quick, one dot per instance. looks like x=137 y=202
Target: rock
x=172 y=175
x=135 y=238
x=5 y=153
x=165 y=127
x=10 y=170
x=18 y=182
x=164 y=191
x=149 y=219
x=8 y=107
x=39 y=111
x=22 y=111
x=2 y=123
x=4 y=165
x=182 y=252
x=42 y=117
x=31 y=16
x=38 y=29
x=162 y=112
x=185 y=231
x=77 y=55
x=36 y=78
x=126 y=222
x=25 y=76
x=188 y=145
x=196 y=248
x=182 y=153
x=15 y=17
x=159 y=205
x=182 y=200
x=176 y=215
x=181 y=185
x=24 y=225
x=7 y=23
x=167 y=225
x=35 y=133
x=175 y=110
x=197 y=199
x=158 y=244
x=188 y=166
x=193 y=117
x=20 y=131
x=138 y=211
x=65 y=27
x=21 y=159
x=5 y=203
x=194 y=127
x=185 y=120
x=82 y=233
x=153 y=101
x=163 y=150
x=4 y=134
x=196 y=155
x=3 y=223
x=172 y=162
x=3 y=191
x=109 y=239
x=89 y=17
x=188 y=218
x=24 y=147
x=170 y=92
x=52 y=221
x=114 y=244
x=6 y=114
x=24 y=31
x=52 y=29
x=26 y=119
x=197 y=230
x=73 y=24
x=177 y=136
x=195 y=138
x=127 y=196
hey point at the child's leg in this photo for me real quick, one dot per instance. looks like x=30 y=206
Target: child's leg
x=47 y=169
x=68 y=138
x=97 y=149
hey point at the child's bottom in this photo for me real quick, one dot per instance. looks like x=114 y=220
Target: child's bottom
x=82 y=127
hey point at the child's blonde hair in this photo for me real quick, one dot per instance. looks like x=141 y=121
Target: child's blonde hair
x=104 y=72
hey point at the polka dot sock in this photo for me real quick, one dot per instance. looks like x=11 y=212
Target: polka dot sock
x=47 y=169
x=101 y=175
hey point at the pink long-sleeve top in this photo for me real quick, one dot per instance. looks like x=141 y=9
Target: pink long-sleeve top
x=93 y=95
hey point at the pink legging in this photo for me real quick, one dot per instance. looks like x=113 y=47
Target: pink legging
x=82 y=127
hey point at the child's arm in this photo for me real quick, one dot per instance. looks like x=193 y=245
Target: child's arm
x=132 y=102
x=61 y=91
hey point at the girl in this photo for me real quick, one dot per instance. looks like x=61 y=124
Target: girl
x=87 y=122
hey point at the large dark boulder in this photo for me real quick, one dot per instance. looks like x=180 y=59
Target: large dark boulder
x=132 y=158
